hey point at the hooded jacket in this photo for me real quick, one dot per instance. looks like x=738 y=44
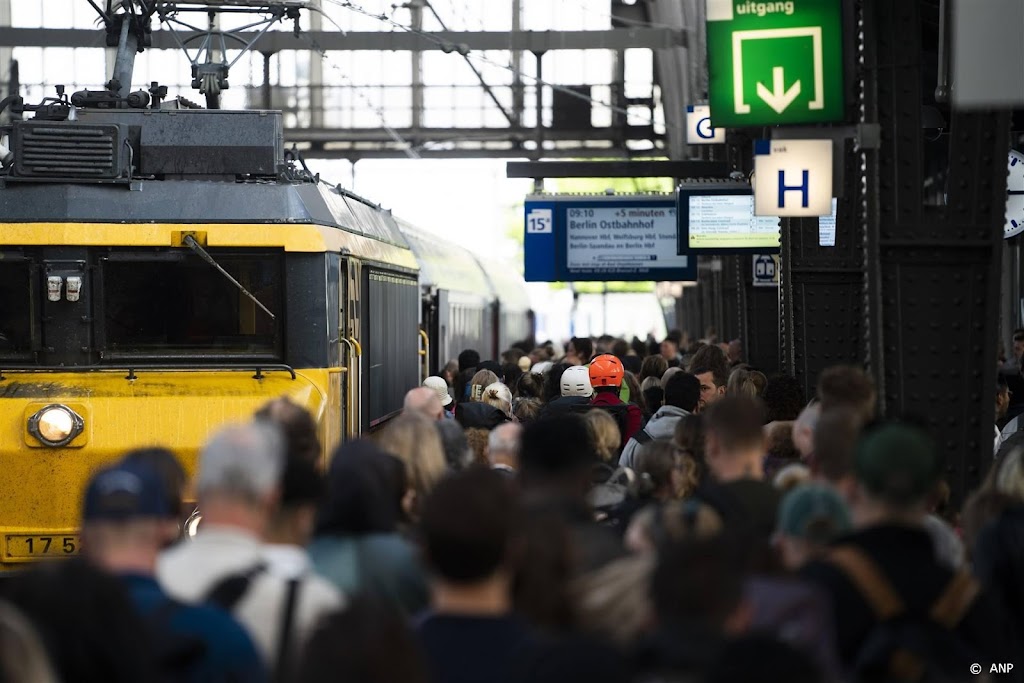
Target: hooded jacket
x=662 y=425
x=477 y=414
x=563 y=405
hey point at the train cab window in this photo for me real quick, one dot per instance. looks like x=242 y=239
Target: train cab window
x=16 y=319
x=176 y=303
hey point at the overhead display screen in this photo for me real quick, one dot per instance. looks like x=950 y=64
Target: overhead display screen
x=598 y=238
x=723 y=221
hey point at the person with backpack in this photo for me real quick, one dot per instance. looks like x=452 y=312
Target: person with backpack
x=291 y=525
x=900 y=613
x=682 y=393
x=123 y=530
x=606 y=374
x=239 y=487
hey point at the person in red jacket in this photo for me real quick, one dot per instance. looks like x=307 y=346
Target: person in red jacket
x=606 y=373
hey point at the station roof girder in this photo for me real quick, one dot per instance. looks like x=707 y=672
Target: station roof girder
x=279 y=41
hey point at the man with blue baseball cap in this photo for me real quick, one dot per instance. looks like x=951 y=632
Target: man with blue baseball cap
x=124 y=520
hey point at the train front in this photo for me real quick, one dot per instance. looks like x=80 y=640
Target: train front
x=158 y=278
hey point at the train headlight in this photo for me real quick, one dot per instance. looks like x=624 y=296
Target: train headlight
x=55 y=425
x=192 y=523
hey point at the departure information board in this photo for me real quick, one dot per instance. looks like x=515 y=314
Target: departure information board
x=614 y=237
x=717 y=220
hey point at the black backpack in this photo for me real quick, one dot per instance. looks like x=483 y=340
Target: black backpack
x=905 y=646
x=229 y=591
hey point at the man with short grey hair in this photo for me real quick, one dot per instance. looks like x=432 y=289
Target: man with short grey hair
x=503 y=447
x=241 y=464
x=239 y=486
x=424 y=401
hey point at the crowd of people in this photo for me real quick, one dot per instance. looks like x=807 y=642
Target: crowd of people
x=609 y=511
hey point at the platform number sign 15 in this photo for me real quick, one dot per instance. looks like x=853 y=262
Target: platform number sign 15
x=1014 y=196
x=538 y=221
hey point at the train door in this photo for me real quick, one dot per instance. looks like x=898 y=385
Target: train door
x=497 y=343
x=488 y=342
x=428 y=327
x=441 y=333
x=349 y=335
x=333 y=427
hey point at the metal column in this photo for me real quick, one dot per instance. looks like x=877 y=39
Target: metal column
x=518 y=92
x=760 y=333
x=733 y=311
x=822 y=288
x=933 y=270
x=416 y=14
x=316 y=72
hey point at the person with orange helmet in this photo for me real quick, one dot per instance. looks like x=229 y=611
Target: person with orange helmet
x=606 y=374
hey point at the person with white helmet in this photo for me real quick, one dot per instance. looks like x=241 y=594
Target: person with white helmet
x=575 y=390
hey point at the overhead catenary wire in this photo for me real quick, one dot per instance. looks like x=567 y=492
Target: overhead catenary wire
x=639 y=23
x=329 y=18
x=463 y=50
x=476 y=72
x=404 y=144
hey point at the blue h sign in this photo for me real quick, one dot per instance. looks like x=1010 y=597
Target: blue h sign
x=803 y=189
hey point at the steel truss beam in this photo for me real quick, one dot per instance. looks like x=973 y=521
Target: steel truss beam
x=493 y=134
x=355 y=153
x=364 y=143
x=616 y=169
x=278 y=41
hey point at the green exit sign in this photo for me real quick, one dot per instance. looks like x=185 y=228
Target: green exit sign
x=774 y=63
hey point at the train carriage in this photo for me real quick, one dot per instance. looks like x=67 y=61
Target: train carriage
x=512 y=313
x=457 y=301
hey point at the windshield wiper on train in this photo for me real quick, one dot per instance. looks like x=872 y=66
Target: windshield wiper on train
x=205 y=255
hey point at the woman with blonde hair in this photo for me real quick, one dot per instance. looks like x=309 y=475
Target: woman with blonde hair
x=604 y=434
x=746 y=382
x=415 y=441
x=498 y=396
x=665 y=472
x=481 y=380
